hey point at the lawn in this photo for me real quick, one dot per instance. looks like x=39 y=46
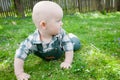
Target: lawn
x=98 y=58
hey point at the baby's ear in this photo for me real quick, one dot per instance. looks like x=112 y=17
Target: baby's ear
x=43 y=24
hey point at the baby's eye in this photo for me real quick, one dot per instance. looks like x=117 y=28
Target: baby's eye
x=58 y=20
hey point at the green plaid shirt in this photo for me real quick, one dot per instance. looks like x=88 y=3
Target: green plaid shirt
x=29 y=45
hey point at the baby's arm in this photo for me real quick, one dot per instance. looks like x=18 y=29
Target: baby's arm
x=26 y=47
x=68 y=60
x=19 y=71
x=68 y=48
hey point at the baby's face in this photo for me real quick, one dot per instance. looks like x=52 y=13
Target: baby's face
x=55 y=23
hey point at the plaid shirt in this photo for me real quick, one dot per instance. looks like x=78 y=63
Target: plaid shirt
x=29 y=45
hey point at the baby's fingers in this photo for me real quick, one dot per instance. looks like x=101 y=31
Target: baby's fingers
x=65 y=65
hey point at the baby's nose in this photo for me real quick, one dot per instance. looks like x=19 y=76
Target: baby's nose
x=61 y=23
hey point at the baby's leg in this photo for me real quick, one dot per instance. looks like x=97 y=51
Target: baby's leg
x=75 y=40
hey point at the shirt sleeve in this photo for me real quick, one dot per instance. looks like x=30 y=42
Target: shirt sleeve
x=66 y=42
x=25 y=48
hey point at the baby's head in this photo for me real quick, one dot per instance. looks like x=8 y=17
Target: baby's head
x=47 y=17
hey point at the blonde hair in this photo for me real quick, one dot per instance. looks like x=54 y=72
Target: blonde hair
x=42 y=10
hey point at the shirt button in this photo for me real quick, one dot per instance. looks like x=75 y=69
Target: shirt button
x=55 y=48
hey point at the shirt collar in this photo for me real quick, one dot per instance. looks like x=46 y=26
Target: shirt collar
x=37 y=39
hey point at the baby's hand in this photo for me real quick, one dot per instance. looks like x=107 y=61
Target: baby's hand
x=65 y=65
x=23 y=76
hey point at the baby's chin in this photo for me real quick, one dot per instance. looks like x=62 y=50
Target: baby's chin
x=56 y=33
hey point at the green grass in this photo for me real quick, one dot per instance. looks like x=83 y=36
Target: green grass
x=98 y=58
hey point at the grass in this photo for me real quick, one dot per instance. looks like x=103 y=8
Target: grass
x=98 y=58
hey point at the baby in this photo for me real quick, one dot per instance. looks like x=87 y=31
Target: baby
x=49 y=41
